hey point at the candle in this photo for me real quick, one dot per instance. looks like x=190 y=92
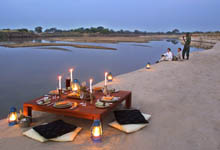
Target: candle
x=71 y=74
x=106 y=78
x=90 y=81
x=60 y=77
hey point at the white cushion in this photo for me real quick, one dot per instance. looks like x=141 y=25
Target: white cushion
x=129 y=128
x=34 y=135
x=64 y=138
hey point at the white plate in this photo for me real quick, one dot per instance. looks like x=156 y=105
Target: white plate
x=99 y=105
x=114 y=99
x=65 y=105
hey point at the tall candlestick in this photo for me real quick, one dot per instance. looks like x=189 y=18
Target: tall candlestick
x=90 y=81
x=106 y=78
x=60 y=77
x=71 y=74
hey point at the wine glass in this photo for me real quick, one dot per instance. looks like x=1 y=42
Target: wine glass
x=82 y=97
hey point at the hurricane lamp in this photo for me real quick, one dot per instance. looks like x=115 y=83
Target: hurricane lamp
x=75 y=85
x=148 y=65
x=109 y=77
x=96 y=131
x=12 y=117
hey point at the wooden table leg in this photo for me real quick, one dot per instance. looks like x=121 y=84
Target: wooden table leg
x=27 y=111
x=128 y=101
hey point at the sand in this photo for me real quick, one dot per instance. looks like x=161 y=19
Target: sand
x=183 y=98
x=115 y=39
x=30 y=44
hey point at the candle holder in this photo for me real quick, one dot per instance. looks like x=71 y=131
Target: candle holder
x=105 y=90
x=60 y=92
x=60 y=95
x=91 y=98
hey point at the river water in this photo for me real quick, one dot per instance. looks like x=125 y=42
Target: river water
x=27 y=73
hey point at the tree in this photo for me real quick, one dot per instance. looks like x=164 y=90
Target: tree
x=51 y=30
x=176 y=31
x=38 y=29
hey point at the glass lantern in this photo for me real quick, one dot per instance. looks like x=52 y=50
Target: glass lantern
x=75 y=85
x=12 y=117
x=109 y=77
x=96 y=131
x=148 y=65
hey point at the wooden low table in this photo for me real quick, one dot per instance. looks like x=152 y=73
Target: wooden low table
x=87 y=112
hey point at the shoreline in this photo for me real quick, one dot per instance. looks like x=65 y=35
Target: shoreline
x=198 y=41
x=182 y=97
x=55 y=44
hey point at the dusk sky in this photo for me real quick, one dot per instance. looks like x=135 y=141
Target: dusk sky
x=146 y=15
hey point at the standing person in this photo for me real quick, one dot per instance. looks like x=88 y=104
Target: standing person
x=186 y=48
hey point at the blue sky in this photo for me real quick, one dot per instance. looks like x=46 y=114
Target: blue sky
x=147 y=15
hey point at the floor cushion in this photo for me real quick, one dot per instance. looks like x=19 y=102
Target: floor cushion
x=31 y=133
x=129 y=128
x=129 y=117
x=69 y=136
x=54 y=129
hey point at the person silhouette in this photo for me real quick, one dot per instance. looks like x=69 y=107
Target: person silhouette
x=186 y=48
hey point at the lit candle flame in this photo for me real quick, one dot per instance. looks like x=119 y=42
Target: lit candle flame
x=71 y=69
x=12 y=117
x=75 y=88
x=96 y=131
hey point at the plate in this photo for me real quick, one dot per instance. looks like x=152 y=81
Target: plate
x=43 y=101
x=100 y=105
x=98 y=89
x=54 y=92
x=114 y=99
x=114 y=90
x=63 y=104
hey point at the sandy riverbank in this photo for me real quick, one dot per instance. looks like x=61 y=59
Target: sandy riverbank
x=183 y=98
x=115 y=39
x=206 y=41
x=30 y=44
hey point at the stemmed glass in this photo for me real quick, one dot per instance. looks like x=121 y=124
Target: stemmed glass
x=82 y=97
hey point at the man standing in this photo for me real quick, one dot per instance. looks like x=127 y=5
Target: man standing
x=186 y=48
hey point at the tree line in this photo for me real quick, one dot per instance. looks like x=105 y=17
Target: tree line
x=100 y=29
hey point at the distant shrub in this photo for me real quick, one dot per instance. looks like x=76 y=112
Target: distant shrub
x=22 y=30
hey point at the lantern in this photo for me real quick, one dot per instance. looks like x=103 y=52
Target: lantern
x=96 y=131
x=109 y=77
x=12 y=117
x=148 y=66
x=75 y=86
